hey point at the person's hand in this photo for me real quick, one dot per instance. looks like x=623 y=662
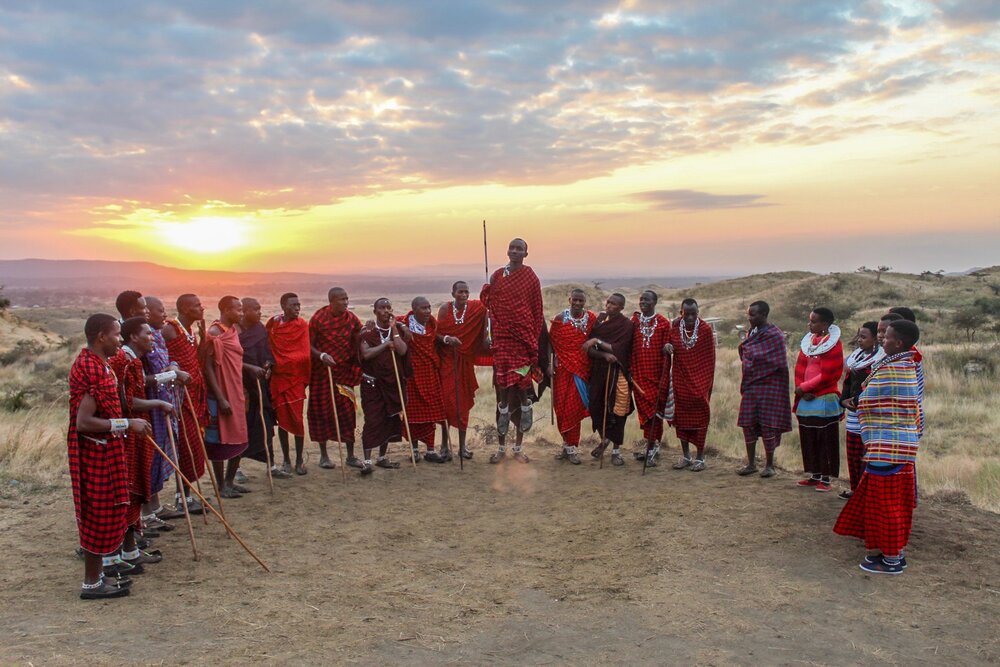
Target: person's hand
x=140 y=426
x=611 y=359
x=327 y=360
x=798 y=392
x=183 y=377
x=808 y=397
x=167 y=408
x=257 y=372
x=202 y=328
x=668 y=348
x=452 y=340
x=550 y=371
x=224 y=407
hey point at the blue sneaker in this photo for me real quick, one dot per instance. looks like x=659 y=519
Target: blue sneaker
x=875 y=558
x=881 y=567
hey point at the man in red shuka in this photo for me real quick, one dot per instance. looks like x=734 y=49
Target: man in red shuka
x=650 y=373
x=462 y=334
x=692 y=345
x=514 y=299
x=568 y=332
x=424 y=403
x=288 y=335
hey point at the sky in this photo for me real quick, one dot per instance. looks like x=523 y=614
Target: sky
x=618 y=138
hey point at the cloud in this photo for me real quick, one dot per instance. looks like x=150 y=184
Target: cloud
x=692 y=200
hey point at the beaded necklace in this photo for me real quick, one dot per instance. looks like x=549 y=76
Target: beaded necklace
x=454 y=313
x=690 y=340
x=579 y=322
x=387 y=335
x=647 y=327
x=416 y=327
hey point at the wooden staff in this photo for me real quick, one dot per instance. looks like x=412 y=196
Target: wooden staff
x=204 y=450
x=552 y=386
x=604 y=427
x=402 y=399
x=336 y=422
x=187 y=442
x=184 y=502
x=206 y=504
x=263 y=432
x=458 y=405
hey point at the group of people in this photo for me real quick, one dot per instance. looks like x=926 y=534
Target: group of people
x=150 y=395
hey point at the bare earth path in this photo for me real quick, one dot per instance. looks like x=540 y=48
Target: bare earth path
x=540 y=564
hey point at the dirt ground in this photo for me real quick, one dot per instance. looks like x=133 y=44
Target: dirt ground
x=543 y=564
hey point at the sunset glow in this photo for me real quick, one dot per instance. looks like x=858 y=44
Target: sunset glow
x=618 y=138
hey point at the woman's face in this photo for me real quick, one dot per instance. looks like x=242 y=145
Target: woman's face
x=866 y=339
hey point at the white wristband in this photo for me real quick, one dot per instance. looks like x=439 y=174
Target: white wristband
x=324 y=356
x=165 y=377
x=119 y=425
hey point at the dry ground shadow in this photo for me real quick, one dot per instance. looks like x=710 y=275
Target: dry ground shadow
x=540 y=564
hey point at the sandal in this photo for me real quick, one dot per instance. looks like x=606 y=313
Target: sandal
x=327 y=464
x=366 y=468
x=104 y=591
x=498 y=456
x=465 y=454
x=748 y=469
x=616 y=459
x=355 y=462
x=521 y=457
x=598 y=451
x=698 y=465
x=683 y=462
x=230 y=493
x=300 y=469
x=241 y=489
x=165 y=512
x=434 y=457
x=768 y=472
x=387 y=464
x=146 y=558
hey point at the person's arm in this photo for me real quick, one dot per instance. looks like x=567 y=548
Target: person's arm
x=598 y=349
x=253 y=371
x=87 y=420
x=148 y=405
x=212 y=380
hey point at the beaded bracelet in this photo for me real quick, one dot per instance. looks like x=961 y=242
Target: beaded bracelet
x=119 y=425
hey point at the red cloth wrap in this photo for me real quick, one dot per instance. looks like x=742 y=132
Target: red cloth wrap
x=191 y=458
x=228 y=354
x=138 y=450
x=338 y=336
x=289 y=342
x=650 y=372
x=693 y=378
x=517 y=319
x=424 y=404
x=470 y=332
x=880 y=511
x=567 y=346
x=98 y=472
x=819 y=374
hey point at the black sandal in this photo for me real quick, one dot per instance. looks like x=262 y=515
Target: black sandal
x=104 y=591
x=387 y=464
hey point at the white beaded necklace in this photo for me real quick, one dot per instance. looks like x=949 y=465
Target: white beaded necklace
x=388 y=332
x=416 y=327
x=646 y=329
x=690 y=340
x=454 y=313
x=579 y=322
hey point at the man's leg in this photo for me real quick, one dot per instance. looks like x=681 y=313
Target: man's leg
x=383 y=458
x=517 y=450
x=220 y=475
x=286 y=456
x=685 y=460
x=750 y=435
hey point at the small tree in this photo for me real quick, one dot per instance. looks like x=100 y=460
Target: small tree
x=882 y=268
x=4 y=301
x=969 y=320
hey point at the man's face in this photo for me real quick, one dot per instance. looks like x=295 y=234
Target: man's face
x=816 y=325
x=233 y=312
x=577 y=302
x=251 y=314
x=460 y=294
x=422 y=311
x=157 y=315
x=141 y=309
x=291 y=309
x=690 y=314
x=111 y=340
x=893 y=344
x=383 y=311
x=882 y=327
x=613 y=306
x=646 y=303
x=193 y=310
x=755 y=318
x=339 y=302
x=517 y=251
x=142 y=342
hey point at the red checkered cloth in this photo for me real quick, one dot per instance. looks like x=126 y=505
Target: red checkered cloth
x=855 y=452
x=650 y=371
x=517 y=320
x=380 y=393
x=138 y=450
x=693 y=377
x=470 y=332
x=191 y=458
x=338 y=336
x=764 y=386
x=880 y=511
x=97 y=471
x=424 y=403
x=289 y=342
x=571 y=362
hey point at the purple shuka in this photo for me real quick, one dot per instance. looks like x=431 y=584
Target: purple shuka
x=765 y=386
x=157 y=361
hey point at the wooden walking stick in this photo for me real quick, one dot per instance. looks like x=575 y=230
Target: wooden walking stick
x=458 y=408
x=552 y=401
x=183 y=430
x=263 y=433
x=205 y=502
x=402 y=398
x=336 y=422
x=204 y=451
x=184 y=502
x=604 y=427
